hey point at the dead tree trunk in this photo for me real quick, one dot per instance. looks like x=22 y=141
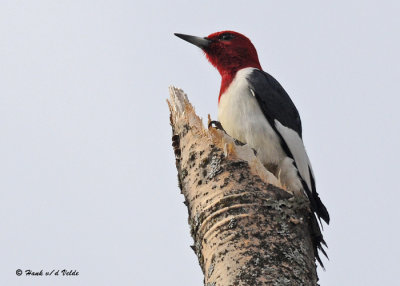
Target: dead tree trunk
x=247 y=229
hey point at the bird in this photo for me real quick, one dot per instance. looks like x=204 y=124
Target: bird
x=256 y=110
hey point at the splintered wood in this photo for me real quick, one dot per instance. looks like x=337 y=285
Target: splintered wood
x=247 y=230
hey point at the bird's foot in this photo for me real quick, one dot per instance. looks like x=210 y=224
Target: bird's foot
x=217 y=125
x=237 y=142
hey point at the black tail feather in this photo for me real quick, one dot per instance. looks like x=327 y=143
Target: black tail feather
x=318 y=211
x=316 y=204
x=317 y=240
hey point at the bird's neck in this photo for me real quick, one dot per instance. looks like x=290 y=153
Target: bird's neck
x=229 y=75
x=227 y=79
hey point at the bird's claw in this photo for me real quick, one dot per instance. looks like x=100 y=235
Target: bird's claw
x=237 y=142
x=217 y=125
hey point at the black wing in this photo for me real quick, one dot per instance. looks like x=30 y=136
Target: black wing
x=274 y=100
x=277 y=106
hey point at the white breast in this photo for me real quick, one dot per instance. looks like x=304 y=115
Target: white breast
x=242 y=118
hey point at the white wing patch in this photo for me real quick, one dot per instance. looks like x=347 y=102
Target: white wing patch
x=296 y=146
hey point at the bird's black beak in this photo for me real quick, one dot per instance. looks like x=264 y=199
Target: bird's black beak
x=202 y=43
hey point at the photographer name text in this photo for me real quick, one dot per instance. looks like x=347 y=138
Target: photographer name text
x=53 y=272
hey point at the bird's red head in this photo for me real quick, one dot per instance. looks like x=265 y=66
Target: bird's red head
x=228 y=51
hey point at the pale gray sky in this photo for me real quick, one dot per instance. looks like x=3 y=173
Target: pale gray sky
x=88 y=178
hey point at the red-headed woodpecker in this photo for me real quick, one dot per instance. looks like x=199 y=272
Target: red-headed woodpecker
x=255 y=109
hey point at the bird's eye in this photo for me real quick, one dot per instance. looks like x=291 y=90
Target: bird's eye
x=226 y=37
